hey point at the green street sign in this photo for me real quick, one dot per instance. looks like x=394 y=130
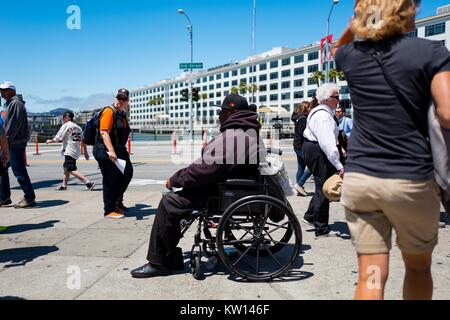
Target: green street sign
x=186 y=66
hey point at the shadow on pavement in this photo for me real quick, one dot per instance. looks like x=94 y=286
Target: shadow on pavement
x=42 y=184
x=28 y=227
x=11 y=298
x=21 y=256
x=51 y=203
x=140 y=211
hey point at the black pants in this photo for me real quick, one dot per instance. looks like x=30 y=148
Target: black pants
x=114 y=182
x=322 y=169
x=166 y=230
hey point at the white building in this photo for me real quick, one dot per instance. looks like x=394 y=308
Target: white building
x=283 y=77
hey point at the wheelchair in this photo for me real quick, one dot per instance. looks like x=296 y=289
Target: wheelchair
x=250 y=227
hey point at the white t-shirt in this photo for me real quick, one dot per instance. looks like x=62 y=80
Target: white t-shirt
x=70 y=134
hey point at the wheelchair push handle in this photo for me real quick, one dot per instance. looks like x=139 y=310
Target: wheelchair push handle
x=275 y=151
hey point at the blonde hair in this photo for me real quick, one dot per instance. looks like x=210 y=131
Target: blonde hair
x=376 y=20
x=303 y=107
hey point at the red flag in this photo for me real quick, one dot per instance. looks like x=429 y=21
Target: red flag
x=325 y=48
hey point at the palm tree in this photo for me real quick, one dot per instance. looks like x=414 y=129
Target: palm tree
x=234 y=90
x=204 y=96
x=334 y=74
x=243 y=87
x=252 y=88
x=318 y=76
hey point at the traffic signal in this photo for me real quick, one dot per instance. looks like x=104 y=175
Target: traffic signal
x=185 y=95
x=195 y=94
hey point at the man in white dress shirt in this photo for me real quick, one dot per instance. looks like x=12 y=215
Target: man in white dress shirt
x=322 y=156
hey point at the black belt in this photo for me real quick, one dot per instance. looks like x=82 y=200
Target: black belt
x=313 y=142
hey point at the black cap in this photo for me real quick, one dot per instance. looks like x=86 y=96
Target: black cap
x=69 y=114
x=123 y=94
x=234 y=102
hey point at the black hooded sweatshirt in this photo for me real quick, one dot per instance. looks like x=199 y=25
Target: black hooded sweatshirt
x=232 y=154
x=299 y=120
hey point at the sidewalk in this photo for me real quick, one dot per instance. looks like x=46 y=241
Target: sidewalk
x=44 y=248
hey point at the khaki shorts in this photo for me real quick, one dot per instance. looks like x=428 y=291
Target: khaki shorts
x=374 y=206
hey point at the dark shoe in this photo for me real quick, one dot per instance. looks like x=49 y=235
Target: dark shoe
x=6 y=202
x=149 y=271
x=309 y=223
x=331 y=234
x=61 y=188
x=90 y=186
x=25 y=204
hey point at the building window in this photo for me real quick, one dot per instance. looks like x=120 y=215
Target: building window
x=234 y=73
x=234 y=83
x=273 y=97
x=286 y=62
x=313 y=55
x=226 y=75
x=263 y=66
x=274 y=86
x=252 y=79
x=274 y=75
x=299 y=59
x=252 y=68
x=344 y=90
x=274 y=64
x=286 y=96
x=412 y=34
x=263 y=88
x=218 y=86
x=243 y=71
x=263 y=77
x=211 y=78
x=205 y=88
x=435 y=29
x=298 y=83
x=312 y=81
x=285 y=85
x=285 y=73
x=298 y=95
x=299 y=71
x=226 y=84
x=211 y=87
x=218 y=77
x=313 y=68
x=262 y=98
x=311 y=93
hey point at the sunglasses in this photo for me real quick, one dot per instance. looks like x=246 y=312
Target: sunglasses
x=336 y=97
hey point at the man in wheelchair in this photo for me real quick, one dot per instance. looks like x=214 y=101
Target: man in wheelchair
x=234 y=154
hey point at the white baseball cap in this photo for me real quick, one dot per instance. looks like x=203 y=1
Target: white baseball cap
x=7 y=85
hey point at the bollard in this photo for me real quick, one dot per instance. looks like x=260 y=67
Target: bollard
x=37 y=145
x=129 y=145
x=174 y=143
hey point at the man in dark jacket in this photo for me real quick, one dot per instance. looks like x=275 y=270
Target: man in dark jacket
x=17 y=131
x=221 y=159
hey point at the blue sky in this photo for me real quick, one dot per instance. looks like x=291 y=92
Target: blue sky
x=137 y=42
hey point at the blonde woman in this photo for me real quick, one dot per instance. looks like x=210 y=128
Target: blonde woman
x=389 y=182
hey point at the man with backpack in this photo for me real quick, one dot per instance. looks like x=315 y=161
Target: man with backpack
x=70 y=135
x=109 y=131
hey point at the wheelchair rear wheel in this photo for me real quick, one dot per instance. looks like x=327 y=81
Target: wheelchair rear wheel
x=267 y=235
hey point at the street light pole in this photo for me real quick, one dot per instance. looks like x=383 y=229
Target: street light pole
x=327 y=77
x=190 y=27
x=253 y=51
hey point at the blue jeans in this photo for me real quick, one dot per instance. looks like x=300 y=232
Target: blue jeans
x=17 y=163
x=303 y=173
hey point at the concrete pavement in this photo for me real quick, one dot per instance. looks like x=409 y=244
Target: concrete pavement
x=64 y=249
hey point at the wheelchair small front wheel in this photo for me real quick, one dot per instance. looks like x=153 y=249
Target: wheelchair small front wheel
x=195 y=265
